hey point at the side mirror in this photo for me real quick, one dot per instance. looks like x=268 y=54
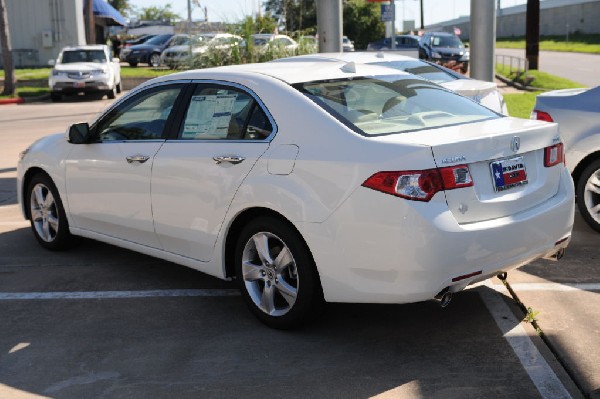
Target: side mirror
x=79 y=133
x=52 y=62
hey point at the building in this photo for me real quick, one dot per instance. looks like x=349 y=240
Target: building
x=557 y=17
x=40 y=29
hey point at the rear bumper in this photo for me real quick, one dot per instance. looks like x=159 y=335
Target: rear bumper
x=397 y=251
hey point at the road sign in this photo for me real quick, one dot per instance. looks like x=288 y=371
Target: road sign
x=386 y=12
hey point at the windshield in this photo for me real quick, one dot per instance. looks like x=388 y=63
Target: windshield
x=392 y=104
x=260 y=41
x=446 y=41
x=179 y=41
x=419 y=68
x=72 y=56
x=158 y=40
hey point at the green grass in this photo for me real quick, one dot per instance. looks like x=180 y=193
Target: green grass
x=520 y=104
x=30 y=74
x=577 y=43
x=29 y=92
x=541 y=80
x=142 y=72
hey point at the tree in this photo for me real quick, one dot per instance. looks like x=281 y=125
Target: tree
x=299 y=15
x=122 y=6
x=155 y=13
x=362 y=22
x=10 y=79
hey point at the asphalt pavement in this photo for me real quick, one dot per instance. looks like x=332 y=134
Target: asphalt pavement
x=101 y=321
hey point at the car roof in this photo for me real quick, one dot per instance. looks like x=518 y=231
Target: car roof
x=86 y=47
x=288 y=72
x=364 y=57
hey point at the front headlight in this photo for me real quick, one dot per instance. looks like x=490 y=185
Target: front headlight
x=58 y=73
x=98 y=72
x=435 y=54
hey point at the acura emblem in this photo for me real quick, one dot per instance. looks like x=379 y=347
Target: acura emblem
x=515 y=144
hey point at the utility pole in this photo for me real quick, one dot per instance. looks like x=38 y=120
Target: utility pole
x=90 y=22
x=483 y=39
x=10 y=80
x=329 y=25
x=189 y=18
x=532 y=33
x=422 y=17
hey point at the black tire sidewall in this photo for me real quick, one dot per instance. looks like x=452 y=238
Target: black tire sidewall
x=63 y=237
x=580 y=191
x=309 y=291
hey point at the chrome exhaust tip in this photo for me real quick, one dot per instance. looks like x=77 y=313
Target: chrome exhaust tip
x=555 y=256
x=444 y=298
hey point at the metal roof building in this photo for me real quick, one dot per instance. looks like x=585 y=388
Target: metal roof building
x=557 y=17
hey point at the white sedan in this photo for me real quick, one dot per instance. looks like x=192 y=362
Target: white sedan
x=85 y=69
x=482 y=92
x=577 y=111
x=307 y=182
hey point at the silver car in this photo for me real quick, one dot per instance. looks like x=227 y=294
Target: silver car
x=577 y=111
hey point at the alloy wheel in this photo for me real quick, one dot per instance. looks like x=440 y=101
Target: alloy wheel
x=270 y=274
x=591 y=195
x=44 y=213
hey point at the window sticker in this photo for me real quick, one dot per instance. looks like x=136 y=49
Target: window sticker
x=209 y=116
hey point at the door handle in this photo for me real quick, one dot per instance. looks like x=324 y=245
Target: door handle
x=137 y=158
x=233 y=159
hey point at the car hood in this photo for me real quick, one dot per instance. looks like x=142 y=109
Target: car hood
x=79 y=66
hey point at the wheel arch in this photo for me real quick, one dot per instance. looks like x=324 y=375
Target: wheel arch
x=29 y=174
x=236 y=226
x=576 y=174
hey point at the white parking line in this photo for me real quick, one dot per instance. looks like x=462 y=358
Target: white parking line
x=17 y=296
x=541 y=374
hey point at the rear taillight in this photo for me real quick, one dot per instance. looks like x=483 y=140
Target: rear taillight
x=420 y=185
x=554 y=155
x=541 y=116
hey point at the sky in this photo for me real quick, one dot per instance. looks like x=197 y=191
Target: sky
x=235 y=10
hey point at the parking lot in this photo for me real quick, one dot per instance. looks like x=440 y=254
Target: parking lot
x=100 y=321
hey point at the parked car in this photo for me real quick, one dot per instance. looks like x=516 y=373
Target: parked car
x=272 y=40
x=85 y=69
x=577 y=112
x=149 y=52
x=178 y=56
x=137 y=40
x=380 y=187
x=347 y=44
x=403 y=42
x=482 y=92
x=445 y=49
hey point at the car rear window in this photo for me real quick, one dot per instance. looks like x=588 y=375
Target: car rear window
x=392 y=104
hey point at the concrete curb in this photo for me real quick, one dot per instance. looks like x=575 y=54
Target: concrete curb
x=15 y=100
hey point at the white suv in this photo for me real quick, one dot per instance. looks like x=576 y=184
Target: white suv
x=85 y=69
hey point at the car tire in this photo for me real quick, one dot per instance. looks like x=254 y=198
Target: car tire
x=133 y=64
x=112 y=94
x=119 y=87
x=47 y=215
x=276 y=273
x=154 y=60
x=588 y=194
x=55 y=97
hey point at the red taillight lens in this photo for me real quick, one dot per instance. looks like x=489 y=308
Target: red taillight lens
x=541 y=116
x=554 y=155
x=420 y=185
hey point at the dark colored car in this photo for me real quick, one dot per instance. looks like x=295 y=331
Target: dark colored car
x=148 y=52
x=445 y=49
x=138 y=40
x=403 y=42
